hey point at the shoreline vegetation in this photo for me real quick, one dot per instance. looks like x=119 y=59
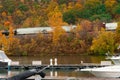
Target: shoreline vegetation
x=89 y=37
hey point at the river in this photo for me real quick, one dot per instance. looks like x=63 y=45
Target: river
x=71 y=59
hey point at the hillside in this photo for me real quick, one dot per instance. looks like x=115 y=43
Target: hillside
x=88 y=37
x=34 y=13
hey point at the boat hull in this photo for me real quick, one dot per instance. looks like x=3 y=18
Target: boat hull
x=107 y=71
x=116 y=61
x=106 y=74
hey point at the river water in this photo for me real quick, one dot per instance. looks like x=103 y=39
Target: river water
x=70 y=59
x=74 y=59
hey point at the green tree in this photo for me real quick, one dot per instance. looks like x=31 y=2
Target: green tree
x=23 y=7
x=70 y=16
x=9 y=6
x=91 y=4
x=85 y=13
x=116 y=9
x=118 y=1
x=45 y=1
x=101 y=17
x=92 y=10
x=116 y=12
x=62 y=2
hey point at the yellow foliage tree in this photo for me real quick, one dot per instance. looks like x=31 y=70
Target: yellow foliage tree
x=70 y=5
x=10 y=18
x=51 y=7
x=4 y=14
x=10 y=43
x=19 y=13
x=7 y=24
x=11 y=35
x=78 y=6
x=4 y=43
x=27 y=22
x=7 y=41
x=13 y=42
x=22 y=1
x=56 y=22
x=104 y=42
x=63 y=8
x=1 y=40
x=110 y=4
x=79 y=27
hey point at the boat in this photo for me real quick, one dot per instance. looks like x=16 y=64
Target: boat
x=105 y=72
x=114 y=58
x=4 y=60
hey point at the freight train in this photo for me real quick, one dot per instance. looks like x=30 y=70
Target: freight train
x=35 y=30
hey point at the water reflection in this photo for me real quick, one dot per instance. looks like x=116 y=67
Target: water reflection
x=51 y=73
x=4 y=73
x=74 y=59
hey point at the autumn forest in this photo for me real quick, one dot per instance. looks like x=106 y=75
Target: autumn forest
x=89 y=37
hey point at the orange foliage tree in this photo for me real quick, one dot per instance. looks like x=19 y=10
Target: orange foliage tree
x=6 y=24
x=1 y=40
x=9 y=43
x=55 y=21
x=13 y=43
x=78 y=6
x=4 y=14
x=11 y=35
x=4 y=42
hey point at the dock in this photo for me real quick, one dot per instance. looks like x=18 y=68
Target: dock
x=60 y=66
x=39 y=65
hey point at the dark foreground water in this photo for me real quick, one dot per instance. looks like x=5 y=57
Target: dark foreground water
x=50 y=73
x=61 y=60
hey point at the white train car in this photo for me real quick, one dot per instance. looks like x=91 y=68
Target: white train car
x=24 y=31
x=68 y=28
x=111 y=26
x=35 y=30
